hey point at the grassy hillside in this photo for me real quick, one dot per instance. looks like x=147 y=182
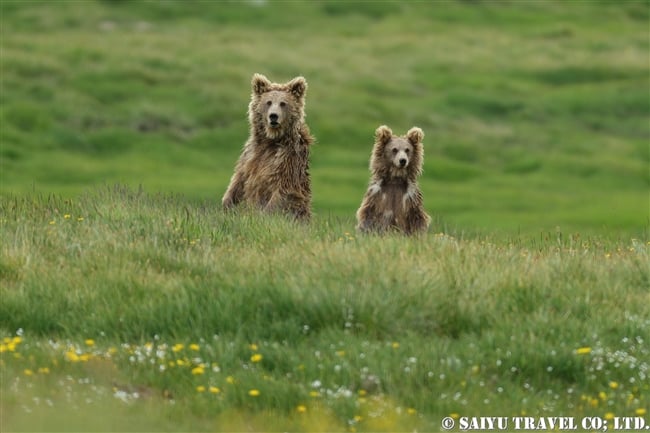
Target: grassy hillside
x=126 y=311
x=144 y=307
x=535 y=113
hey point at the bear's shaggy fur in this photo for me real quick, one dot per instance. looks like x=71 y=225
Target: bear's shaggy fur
x=272 y=171
x=394 y=200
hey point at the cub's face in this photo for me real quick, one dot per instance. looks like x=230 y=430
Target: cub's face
x=397 y=156
x=398 y=152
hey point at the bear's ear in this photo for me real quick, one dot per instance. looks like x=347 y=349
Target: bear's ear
x=260 y=84
x=383 y=134
x=298 y=86
x=415 y=135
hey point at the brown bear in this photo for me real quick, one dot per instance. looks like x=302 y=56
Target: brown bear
x=272 y=172
x=394 y=200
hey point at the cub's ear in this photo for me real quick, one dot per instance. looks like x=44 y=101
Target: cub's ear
x=298 y=86
x=260 y=84
x=415 y=135
x=383 y=134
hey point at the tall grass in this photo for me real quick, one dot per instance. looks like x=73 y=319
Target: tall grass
x=150 y=309
x=371 y=333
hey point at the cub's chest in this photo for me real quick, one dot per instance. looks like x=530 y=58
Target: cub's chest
x=392 y=195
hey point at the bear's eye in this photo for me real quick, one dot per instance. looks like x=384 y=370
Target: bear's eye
x=394 y=151
x=282 y=104
x=269 y=103
x=407 y=151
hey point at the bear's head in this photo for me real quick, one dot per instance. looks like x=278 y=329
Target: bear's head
x=397 y=156
x=276 y=109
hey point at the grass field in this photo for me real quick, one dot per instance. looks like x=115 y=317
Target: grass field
x=130 y=302
x=535 y=112
x=140 y=312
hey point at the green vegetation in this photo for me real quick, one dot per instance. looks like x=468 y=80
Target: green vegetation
x=189 y=310
x=535 y=113
x=144 y=307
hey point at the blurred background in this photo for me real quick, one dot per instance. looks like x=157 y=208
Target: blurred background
x=536 y=113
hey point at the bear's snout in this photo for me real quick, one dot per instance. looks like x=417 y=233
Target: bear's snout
x=402 y=162
x=273 y=119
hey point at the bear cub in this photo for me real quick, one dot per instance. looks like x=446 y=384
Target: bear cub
x=393 y=201
x=272 y=172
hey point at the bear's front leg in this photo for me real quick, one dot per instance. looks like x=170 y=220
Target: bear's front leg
x=235 y=192
x=417 y=221
x=368 y=218
x=297 y=204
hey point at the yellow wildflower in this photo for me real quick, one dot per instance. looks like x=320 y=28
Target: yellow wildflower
x=253 y=347
x=80 y=219
x=28 y=372
x=411 y=411
x=177 y=347
x=340 y=352
x=454 y=415
x=583 y=350
x=602 y=395
x=198 y=370
x=358 y=418
x=640 y=411
x=200 y=388
x=301 y=408
x=195 y=347
x=72 y=356
x=613 y=384
x=314 y=394
x=256 y=357
x=214 y=390
x=254 y=392
x=66 y=216
x=395 y=345
x=44 y=370
x=90 y=342
x=362 y=392
x=230 y=380
x=609 y=416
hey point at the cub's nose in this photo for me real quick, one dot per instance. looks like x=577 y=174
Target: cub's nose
x=273 y=118
x=402 y=162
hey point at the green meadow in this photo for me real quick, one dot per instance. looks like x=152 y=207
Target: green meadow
x=535 y=113
x=129 y=301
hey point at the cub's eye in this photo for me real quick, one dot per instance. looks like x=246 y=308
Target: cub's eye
x=407 y=150
x=282 y=104
x=394 y=151
x=268 y=103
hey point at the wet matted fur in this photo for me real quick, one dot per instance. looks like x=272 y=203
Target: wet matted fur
x=393 y=200
x=272 y=172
